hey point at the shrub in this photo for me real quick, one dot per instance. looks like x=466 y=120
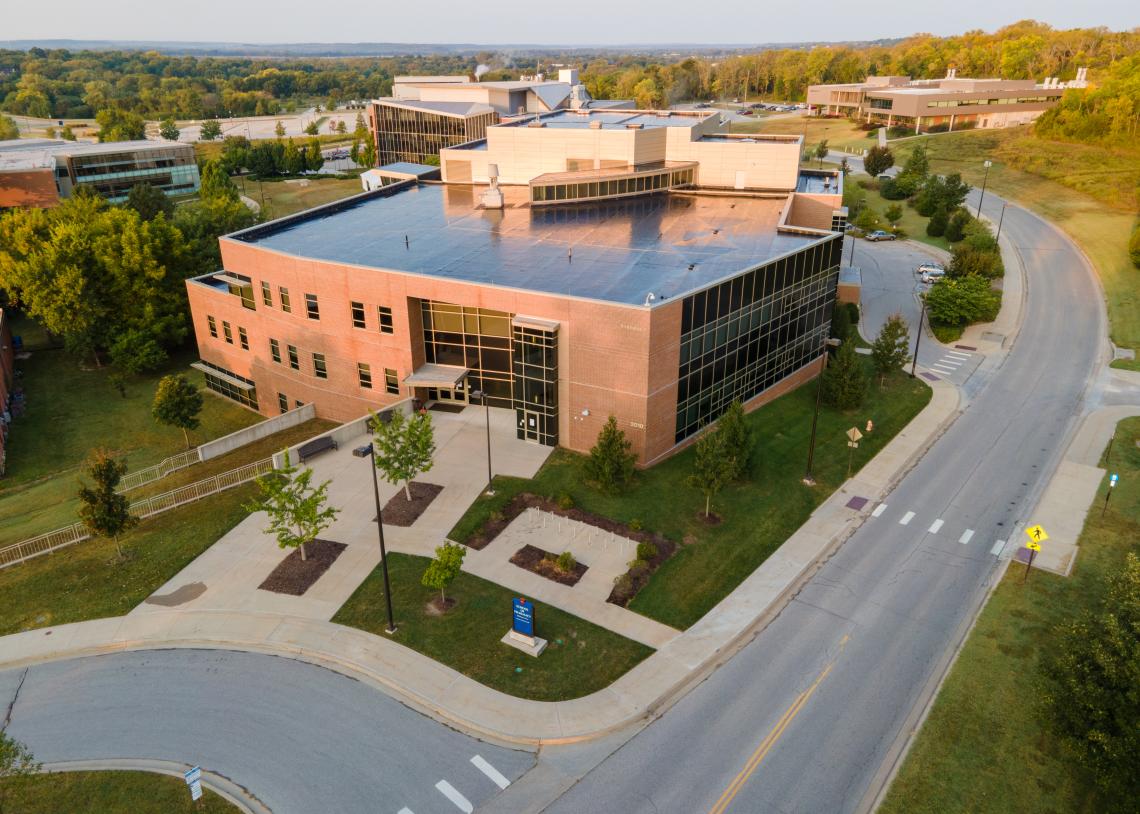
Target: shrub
x=867 y=219
x=1134 y=246
x=937 y=225
x=646 y=551
x=638 y=567
x=635 y=525
x=845 y=380
x=841 y=322
x=611 y=462
x=956 y=228
x=497 y=517
x=966 y=260
x=894 y=214
x=900 y=187
x=565 y=502
x=623 y=583
x=960 y=301
x=566 y=562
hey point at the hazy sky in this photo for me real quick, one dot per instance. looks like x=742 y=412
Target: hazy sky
x=545 y=22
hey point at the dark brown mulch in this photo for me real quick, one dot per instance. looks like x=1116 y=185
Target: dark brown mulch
x=710 y=519
x=544 y=564
x=623 y=591
x=437 y=607
x=399 y=511
x=447 y=408
x=293 y=576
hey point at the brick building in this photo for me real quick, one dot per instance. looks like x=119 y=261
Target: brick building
x=664 y=270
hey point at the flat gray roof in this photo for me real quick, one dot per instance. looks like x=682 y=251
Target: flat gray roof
x=611 y=119
x=38 y=153
x=616 y=251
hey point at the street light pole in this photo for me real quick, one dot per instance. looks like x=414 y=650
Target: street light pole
x=987 y=164
x=479 y=394
x=1000 y=220
x=369 y=451
x=918 y=338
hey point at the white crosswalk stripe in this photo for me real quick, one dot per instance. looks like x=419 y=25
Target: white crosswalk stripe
x=882 y=507
x=486 y=768
x=957 y=353
x=967 y=535
x=937 y=524
x=997 y=549
x=405 y=810
x=906 y=518
x=449 y=791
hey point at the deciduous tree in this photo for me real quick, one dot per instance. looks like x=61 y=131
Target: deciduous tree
x=297 y=510
x=177 y=403
x=713 y=466
x=210 y=130
x=120 y=125
x=405 y=447
x=821 y=151
x=845 y=380
x=443 y=570
x=149 y=202
x=168 y=129
x=878 y=160
x=736 y=439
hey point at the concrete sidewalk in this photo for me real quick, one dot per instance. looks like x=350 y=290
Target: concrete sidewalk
x=438 y=690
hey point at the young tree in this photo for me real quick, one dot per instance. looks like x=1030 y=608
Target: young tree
x=149 y=202
x=294 y=159
x=296 y=509
x=341 y=127
x=168 y=129
x=137 y=351
x=821 y=151
x=405 y=447
x=878 y=160
x=314 y=160
x=8 y=129
x=1134 y=247
x=443 y=570
x=211 y=130
x=366 y=155
x=713 y=466
x=67 y=134
x=332 y=126
x=917 y=164
x=279 y=130
x=312 y=128
x=360 y=130
x=936 y=226
x=177 y=403
x=216 y=183
x=611 y=462
x=736 y=438
x=893 y=215
x=1094 y=671
x=891 y=347
x=16 y=763
x=845 y=381
x=845 y=167
x=103 y=511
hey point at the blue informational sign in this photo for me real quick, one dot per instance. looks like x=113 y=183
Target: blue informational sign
x=522 y=620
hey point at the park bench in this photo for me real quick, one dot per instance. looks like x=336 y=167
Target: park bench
x=315 y=447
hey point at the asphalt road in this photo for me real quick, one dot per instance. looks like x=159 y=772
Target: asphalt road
x=300 y=738
x=805 y=716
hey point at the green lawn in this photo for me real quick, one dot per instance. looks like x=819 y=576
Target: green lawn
x=580 y=659
x=1091 y=193
x=840 y=133
x=88 y=581
x=287 y=197
x=987 y=744
x=758 y=515
x=108 y=792
x=72 y=410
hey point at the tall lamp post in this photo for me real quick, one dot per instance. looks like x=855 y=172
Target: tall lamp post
x=479 y=394
x=369 y=451
x=1000 y=221
x=918 y=338
x=987 y=164
x=809 y=479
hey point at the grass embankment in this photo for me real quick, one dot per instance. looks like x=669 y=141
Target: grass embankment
x=283 y=198
x=1091 y=193
x=89 y=581
x=580 y=658
x=109 y=792
x=758 y=516
x=987 y=745
x=841 y=134
x=71 y=410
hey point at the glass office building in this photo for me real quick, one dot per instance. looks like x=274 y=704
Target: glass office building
x=417 y=131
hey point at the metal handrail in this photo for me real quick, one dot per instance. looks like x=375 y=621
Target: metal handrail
x=147 y=507
x=133 y=480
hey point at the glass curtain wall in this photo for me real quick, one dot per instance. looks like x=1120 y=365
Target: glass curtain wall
x=171 y=169
x=536 y=384
x=416 y=135
x=476 y=338
x=743 y=336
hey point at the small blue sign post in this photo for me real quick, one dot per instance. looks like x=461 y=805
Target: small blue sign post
x=522 y=617
x=1111 y=485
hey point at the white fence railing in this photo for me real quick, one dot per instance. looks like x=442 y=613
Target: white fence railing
x=133 y=480
x=147 y=507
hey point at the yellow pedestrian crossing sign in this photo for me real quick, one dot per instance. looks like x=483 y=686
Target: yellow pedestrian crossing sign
x=1036 y=535
x=1032 y=546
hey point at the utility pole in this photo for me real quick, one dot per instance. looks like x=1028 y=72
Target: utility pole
x=918 y=338
x=987 y=164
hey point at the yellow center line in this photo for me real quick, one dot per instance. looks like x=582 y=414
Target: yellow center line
x=766 y=745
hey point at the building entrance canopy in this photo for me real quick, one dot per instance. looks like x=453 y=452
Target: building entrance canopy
x=432 y=375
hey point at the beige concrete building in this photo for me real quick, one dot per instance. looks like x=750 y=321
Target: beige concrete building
x=951 y=103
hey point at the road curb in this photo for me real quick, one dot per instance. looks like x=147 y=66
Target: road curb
x=217 y=783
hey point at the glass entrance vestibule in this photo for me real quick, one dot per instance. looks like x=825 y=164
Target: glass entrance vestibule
x=511 y=358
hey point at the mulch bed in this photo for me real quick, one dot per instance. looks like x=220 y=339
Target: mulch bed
x=399 y=511
x=294 y=576
x=624 y=590
x=544 y=564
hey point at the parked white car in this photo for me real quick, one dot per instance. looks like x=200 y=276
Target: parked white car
x=933 y=275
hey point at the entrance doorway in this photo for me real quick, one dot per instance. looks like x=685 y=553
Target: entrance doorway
x=530 y=426
x=449 y=395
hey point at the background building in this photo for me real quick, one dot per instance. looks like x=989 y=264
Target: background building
x=40 y=172
x=657 y=298
x=945 y=104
